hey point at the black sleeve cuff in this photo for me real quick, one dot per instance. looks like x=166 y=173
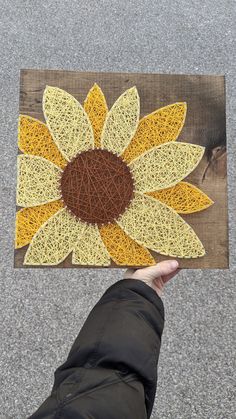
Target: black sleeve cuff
x=141 y=288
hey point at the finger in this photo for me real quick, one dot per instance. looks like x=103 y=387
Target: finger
x=158 y=285
x=159 y=282
x=128 y=273
x=170 y=276
x=160 y=269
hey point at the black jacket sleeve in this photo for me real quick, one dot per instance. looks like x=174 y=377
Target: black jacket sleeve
x=111 y=370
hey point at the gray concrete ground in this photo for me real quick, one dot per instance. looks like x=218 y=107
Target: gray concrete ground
x=42 y=311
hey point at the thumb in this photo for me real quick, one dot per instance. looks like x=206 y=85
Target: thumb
x=160 y=269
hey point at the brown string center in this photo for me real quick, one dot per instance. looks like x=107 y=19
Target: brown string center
x=97 y=186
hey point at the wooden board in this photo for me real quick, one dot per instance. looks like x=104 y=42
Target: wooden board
x=205 y=125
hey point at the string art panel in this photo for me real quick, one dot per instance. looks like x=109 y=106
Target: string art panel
x=107 y=176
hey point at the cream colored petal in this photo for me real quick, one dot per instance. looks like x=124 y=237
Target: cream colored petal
x=121 y=122
x=67 y=122
x=165 y=165
x=38 y=181
x=158 y=227
x=54 y=240
x=89 y=249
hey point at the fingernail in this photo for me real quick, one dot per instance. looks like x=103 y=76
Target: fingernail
x=174 y=264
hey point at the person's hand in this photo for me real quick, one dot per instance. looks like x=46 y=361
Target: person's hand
x=155 y=276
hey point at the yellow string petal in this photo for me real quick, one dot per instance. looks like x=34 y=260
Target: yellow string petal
x=164 y=166
x=37 y=181
x=28 y=221
x=96 y=108
x=54 y=240
x=184 y=198
x=159 y=127
x=121 y=122
x=154 y=225
x=122 y=249
x=90 y=249
x=34 y=138
x=67 y=122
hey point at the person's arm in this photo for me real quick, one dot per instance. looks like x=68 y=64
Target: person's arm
x=111 y=370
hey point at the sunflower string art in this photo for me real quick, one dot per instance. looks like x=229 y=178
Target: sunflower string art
x=105 y=184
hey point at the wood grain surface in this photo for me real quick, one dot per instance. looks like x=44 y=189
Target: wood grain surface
x=205 y=125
